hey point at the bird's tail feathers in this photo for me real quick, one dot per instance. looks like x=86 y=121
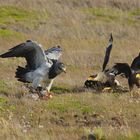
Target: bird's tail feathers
x=21 y=74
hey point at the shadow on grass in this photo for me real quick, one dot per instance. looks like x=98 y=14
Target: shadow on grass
x=63 y=90
x=78 y=90
x=55 y=89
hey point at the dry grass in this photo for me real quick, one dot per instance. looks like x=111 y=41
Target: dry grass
x=71 y=116
x=82 y=29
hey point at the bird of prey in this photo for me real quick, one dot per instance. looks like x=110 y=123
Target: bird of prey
x=132 y=73
x=135 y=65
x=42 y=66
x=103 y=78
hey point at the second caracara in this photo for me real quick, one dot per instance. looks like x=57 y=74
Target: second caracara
x=104 y=78
x=132 y=73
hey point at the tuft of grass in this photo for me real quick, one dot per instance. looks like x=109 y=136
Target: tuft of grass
x=69 y=105
x=11 y=14
x=18 y=17
x=114 y=14
x=135 y=12
x=2 y=100
x=99 y=134
x=6 y=88
x=3 y=87
x=58 y=107
x=9 y=33
x=60 y=90
x=134 y=137
x=86 y=109
x=106 y=13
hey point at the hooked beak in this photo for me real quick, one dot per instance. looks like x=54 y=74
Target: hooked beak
x=64 y=70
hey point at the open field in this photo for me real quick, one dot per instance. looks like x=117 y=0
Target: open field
x=82 y=28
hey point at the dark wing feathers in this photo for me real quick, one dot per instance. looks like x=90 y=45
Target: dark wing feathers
x=107 y=54
x=20 y=74
x=124 y=68
x=32 y=52
x=121 y=68
x=135 y=65
x=18 y=51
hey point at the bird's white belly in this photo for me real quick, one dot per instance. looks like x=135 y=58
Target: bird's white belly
x=45 y=81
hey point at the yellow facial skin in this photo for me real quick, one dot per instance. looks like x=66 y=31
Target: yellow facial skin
x=90 y=78
x=137 y=75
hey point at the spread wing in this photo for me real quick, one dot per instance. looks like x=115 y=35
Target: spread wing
x=54 y=53
x=32 y=52
x=107 y=54
x=136 y=63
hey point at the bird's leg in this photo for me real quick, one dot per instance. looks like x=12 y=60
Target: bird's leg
x=47 y=96
x=32 y=90
x=46 y=93
x=39 y=91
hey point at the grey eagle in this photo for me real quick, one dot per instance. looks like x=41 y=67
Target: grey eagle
x=42 y=66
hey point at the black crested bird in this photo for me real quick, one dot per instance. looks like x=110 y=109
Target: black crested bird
x=132 y=73
x=136 y=63
x=104 y=78
x=42 y=66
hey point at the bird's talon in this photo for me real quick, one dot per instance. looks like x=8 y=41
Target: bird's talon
x=46 y=96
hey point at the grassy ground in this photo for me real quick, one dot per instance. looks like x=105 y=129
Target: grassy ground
x=82 y=29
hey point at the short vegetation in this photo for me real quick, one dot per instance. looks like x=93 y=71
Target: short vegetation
x=82 y=29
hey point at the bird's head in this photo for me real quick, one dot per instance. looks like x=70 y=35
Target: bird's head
x=62 y=67
x=56 y=69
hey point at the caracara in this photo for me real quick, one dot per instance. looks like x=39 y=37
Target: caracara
x=132 y=73
x=104 y=78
